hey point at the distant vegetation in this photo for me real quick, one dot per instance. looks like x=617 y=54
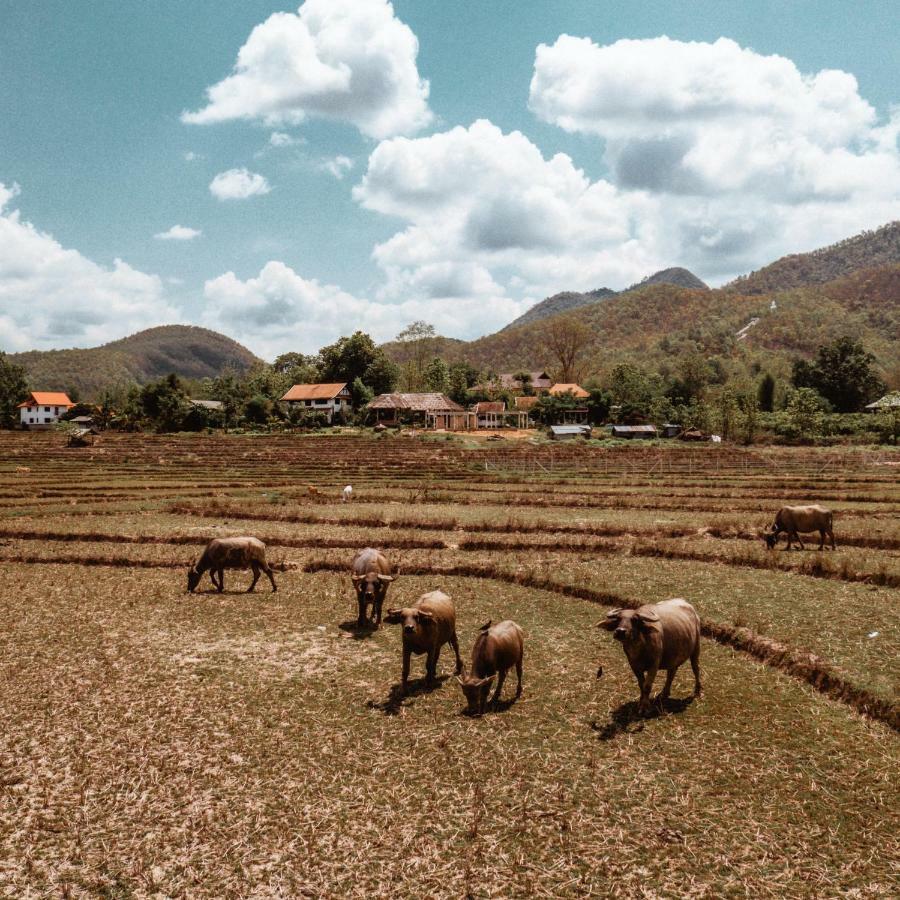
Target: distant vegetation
x=188 y=351
x=869 y=250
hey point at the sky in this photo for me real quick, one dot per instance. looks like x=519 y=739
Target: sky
x=287 y=174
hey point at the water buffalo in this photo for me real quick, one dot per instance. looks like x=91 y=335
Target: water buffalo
x=427 y=625
x=230 y=553
x=657 y=636
x=496 y=650
x=794 y=520
x=371 y=577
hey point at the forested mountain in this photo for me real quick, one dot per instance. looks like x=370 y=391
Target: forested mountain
x=570 y=300
x=869 y=250
x=656 y=325
x=187 y=350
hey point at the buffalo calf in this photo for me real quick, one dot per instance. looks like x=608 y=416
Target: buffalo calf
x=496 y=650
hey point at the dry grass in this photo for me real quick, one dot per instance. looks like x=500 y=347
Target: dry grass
x=160 y=744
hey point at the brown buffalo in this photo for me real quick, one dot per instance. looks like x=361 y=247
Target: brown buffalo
x=371 y=577
x=657 y=636
x=797 y=520
x=427 y=625
x=496 y=650
x=230 y=553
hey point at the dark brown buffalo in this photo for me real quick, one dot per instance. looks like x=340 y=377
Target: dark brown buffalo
x=797 y=520
x=371 y=577
x=657 y=636
x=230 y=553
x=427 y=625
x=496 y=650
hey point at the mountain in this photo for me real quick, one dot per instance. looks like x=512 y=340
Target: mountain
x=869 y=250
x=571 y=300
x=187 y=350
x=563 y=302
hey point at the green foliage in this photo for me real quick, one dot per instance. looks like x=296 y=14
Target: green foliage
x=13 y=390
x=382 y=375
x=842 y=373
x=437 y=376
x=765 y=395
x=347 y=359
x=257 y=410
x=459 y=383
x=360 y=393
x=803 y=419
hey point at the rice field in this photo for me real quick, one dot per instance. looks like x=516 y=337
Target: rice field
x=156 y=743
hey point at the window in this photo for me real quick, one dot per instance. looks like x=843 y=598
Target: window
x=47 y=420
x=46 y=409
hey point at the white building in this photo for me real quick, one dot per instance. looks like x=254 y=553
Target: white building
x=43 y=408
x=324 y=398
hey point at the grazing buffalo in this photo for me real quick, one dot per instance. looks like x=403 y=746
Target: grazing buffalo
x=347 y=494
x=427 y=625
x=230 y=553
x=657 y=636
x=797 y=520
x=371 y=577
x=496 y=650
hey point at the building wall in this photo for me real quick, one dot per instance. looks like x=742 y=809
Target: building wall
x=37 y=416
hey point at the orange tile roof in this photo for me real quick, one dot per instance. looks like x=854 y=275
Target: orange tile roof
x=47 y=398
x=575 y=389
x=314 y=391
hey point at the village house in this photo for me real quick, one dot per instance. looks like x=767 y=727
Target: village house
x=43 y=409
x=329 y=399
x=489 y=413
x=538 y=382
x=433 y=410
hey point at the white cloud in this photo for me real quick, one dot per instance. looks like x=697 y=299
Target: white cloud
x=178 y=233
x=349 y=60
x=280 y=310
x=282 y=139
x=238 y=184
x=190 y=156
x=338 y=166
x=713 y=119
x=51 y=296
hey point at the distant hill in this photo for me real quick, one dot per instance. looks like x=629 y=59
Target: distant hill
x=869 y=250
x=189 y=351
x=655 y=325
x=560 y=303
x=571 y=300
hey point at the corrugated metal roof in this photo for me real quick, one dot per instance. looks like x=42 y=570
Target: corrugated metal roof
x=634 y=429
x=570 y=429
x=47 y=398
x=314 y=391
x=888 y=401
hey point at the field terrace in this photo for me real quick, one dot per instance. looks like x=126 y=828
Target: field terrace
x=239 y=745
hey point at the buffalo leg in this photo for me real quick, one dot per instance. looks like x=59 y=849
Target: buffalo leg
x=431 y=665
x=821 y=538
x=454 y=643
x=667 y=687
x=649 y=678
x=831 y=535
x=221 y=580
x=361 y=618
x=799 y=540
x=255 y=569
x=376 y=611
x=695 y=665
x=404 y=679
x=519 y=676
x=268 y=570
x=501 y=677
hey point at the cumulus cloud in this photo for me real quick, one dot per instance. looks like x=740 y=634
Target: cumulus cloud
x=282 y=139
x=478 y=200
x=280 y=310
x=349 y=60
x=178 y=233
x=716 y=118
x=51 y=296
x=238 y=184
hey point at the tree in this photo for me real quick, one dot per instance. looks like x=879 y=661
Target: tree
x=258 y=409
x=566 y=338
x=598 y=405
x=382 y=375
x=416 y=338
x=748 y=404
x=348 y=358
x=13 y=390
x=437 y=376
x=458 y=388
x=804 y=414
x=360 y=394
x=230 y=391
x=842 y=373
x=766 y=393
x=164 y=403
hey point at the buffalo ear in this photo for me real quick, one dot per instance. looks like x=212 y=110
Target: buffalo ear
x=355 y=578
x=392 y=616
x=646 y=617
x=611 y=622
x=424 y=614
x=486 y=625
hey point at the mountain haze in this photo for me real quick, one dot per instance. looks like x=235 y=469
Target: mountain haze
x=187 y=350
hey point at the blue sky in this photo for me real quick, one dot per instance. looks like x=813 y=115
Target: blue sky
x=331 y=187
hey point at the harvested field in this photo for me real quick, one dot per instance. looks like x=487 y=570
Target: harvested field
x=231 y=745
